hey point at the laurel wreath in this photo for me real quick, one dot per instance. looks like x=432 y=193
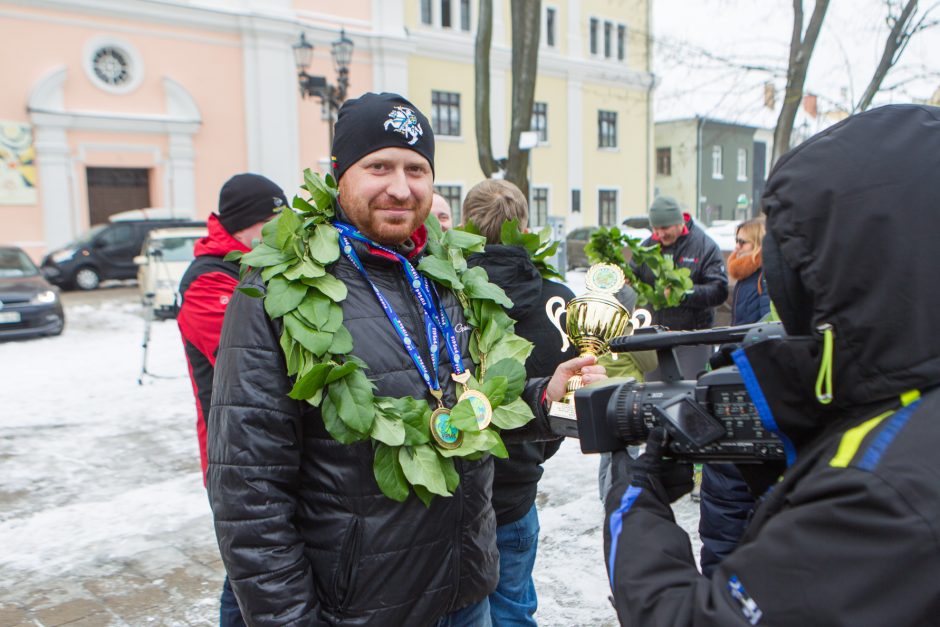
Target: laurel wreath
x=296 y=250
x=608 y=245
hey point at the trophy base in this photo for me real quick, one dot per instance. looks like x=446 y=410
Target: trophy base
x=562 y=419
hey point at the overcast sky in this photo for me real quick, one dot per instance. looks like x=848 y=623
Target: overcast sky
x=757 y=32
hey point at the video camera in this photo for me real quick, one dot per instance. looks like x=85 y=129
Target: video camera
x=711 y=419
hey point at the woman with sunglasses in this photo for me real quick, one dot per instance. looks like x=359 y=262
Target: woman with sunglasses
x=726 y=502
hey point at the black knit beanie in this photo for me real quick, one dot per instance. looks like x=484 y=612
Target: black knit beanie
x=247 y=199
x=375 y=121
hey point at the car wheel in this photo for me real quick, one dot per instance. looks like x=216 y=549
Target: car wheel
x=86 y=278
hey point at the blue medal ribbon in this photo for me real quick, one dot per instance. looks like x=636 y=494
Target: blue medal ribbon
x=435 y=318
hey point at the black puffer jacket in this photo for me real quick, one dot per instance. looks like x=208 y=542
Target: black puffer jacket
x=851 y=534
x=306 y=536
x=516 y=479
x=701 y=255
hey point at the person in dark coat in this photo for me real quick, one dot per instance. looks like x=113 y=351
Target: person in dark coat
x=306 y=534
x=848 y=535
x=246 y=202
x=488 y=205
x=726 y=502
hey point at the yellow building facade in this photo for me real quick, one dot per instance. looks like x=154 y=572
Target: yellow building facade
x=593 y=163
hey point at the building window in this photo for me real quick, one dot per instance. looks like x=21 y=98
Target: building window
x=593 y=35
x=664 y=161
x=621 y=42
x=606 y=129
x=608 y=39
x=538 y=216
x=452 y=194
x=465 y=15
x=445 y=113
x=716 y=163
x=607 y=207
x=576 y=201
x=550 y=27
x=540 y=120
x=426 y=12
x=445 y=14
x=742 y=164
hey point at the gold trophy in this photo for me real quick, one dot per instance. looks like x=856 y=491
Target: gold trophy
x=592 y=320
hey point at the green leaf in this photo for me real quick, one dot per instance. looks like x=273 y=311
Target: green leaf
x=342 y=342
x=269 y=234
x=388 y=473
x=423 y=494
x=492 y=333
x=441 y=271
x=291 y=353
x=254 y=292
x=334 y=322
x=283 y=296
x=463 y=417
x=302 y=205
x=329 y=286
x=388 y=430
x=341 y=371
x=486 y=440
x=305 y=269
x=451 y=477
x=464 y=240
x=471 y=228
x=233 y=255
x=515 y=376
x=335 y=425
x=324 y=244
x=314 y=341
x=421 y=467
x=495 y=388
x=287 y=226
x=352 y=396
x=477 y=285
x=415 y=416
x=312 y=382
x=272 y=271
x=510 y=347
x=512 y=415
x=263 y=256
x=316 y=308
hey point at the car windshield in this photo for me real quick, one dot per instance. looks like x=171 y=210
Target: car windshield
x=85 y=238
x=174 y=248
x=15 y=264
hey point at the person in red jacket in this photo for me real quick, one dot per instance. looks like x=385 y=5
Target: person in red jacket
x=246 y=203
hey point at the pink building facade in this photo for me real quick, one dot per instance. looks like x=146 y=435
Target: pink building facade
x=111 y=105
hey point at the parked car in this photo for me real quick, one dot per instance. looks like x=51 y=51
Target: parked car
x=107 y=251
x=578 y=239
x=28 y=304
x=163 y=259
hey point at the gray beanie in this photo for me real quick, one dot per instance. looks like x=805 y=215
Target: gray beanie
x=665 y=212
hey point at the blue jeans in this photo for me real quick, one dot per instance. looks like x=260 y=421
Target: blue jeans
x=476 y=615
x=514 y=601
x=229 y=614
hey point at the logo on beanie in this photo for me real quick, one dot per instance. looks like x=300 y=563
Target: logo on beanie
x=403 y=120
x=277 y=201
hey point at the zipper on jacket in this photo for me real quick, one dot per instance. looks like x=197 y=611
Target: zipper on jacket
x=346 y=569
x=458 y=535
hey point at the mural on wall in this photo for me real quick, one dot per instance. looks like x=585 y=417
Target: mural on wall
x=17 y=164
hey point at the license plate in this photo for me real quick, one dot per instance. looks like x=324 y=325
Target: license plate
x=7 y=317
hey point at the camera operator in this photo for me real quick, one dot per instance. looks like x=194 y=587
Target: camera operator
x=849 y=535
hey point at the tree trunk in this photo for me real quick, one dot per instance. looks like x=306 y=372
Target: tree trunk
x=526 y=29
x=801 y=51
x=901 y=32
x=482 y=96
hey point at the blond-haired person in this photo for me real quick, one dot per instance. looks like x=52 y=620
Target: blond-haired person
x=489 y=205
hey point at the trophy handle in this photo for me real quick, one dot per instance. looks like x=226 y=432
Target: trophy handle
x=554 y=307
x=641 y=318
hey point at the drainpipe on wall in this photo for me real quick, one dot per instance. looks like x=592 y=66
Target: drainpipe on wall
x=700 y=122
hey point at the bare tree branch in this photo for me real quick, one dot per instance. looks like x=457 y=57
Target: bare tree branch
x=482 y=95
x=526 y=29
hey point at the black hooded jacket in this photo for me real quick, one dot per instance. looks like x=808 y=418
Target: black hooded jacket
x=306 y=535
x=851 y=533
x=515 y=480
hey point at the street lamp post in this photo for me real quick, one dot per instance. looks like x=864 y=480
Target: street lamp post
x=330 y=96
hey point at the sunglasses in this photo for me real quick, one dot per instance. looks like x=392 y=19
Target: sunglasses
x=741 y=242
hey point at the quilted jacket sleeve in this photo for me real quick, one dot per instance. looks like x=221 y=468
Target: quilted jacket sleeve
x=254 y=461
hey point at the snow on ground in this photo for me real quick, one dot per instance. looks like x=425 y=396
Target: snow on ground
x=97 y=471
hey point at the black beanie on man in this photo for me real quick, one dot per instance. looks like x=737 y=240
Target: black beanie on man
x=247 y=199
x=375 y=121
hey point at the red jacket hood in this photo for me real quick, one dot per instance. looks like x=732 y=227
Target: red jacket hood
x=219 y=242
